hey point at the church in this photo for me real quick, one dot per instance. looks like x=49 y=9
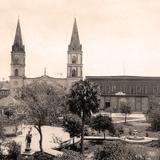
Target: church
x=137 y=91
x=18 y=56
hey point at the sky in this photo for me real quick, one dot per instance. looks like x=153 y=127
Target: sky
x=118 y=37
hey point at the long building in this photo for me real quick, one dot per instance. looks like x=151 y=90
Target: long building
x=135 y=90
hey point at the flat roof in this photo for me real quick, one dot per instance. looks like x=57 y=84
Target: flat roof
x=124 y=77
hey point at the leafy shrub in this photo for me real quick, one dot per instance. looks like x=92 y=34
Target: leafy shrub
x=67 y=155
x=70 y=155
x=14 y=150
x=42 y=156
x=119 y=130
x=154 y=119
x=116 y=151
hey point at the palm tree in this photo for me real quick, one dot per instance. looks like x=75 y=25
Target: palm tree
x=83 y=100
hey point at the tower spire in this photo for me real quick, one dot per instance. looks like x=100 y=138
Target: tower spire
x=18 y=42
x=17 y=61
x=74 y=66
x=75 y=42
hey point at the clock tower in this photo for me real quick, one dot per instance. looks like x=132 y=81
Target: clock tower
x=74 y=66
x=17 y=61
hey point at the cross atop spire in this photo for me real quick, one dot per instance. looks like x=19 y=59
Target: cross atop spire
x=18 y=42
x=75 y=42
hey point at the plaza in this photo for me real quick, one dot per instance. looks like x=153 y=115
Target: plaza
x=79 y=80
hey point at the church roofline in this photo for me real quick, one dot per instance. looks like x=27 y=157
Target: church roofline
x=43 y=77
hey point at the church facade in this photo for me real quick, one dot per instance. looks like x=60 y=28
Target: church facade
x=18 y=63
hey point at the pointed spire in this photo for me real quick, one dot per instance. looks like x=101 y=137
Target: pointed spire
x=75 y=42
x=18 y=42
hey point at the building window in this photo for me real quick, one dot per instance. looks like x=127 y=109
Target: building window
x=73 y=73
x=16 y=72
x=114 y=88
x=107 y=104
x=155 y=90
x=132 y=90
x=16 y=61
x=138 y=90
x=145 y=90
x=74 y=59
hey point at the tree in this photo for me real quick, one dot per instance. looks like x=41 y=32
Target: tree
x=153 y=114
x=67 y=155
x=70 y=155
x=83 y=100
x=125 y=109
x=72 y=124
x=42 y=105
x=2 y=137
x=154 y=119
x=102 y=123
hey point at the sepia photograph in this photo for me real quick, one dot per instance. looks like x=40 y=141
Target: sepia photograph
x=80 y=80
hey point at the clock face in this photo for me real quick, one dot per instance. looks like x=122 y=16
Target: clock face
x=74 y=59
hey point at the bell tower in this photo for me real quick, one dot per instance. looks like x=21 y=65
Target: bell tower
x=74 y=66
x=17 y=61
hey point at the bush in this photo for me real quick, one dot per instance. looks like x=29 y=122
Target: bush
x=154 y=119
x=119 y=130
x=70 y=155
x=153 y=114
x=14 y=150
x=72 y=124
x=67 y=155
x=116 y=151
x=42 y=156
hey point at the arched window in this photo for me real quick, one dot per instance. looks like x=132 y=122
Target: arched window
x=73 y=73
x=16 y=72
x=16 y=61
x=74 y=59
